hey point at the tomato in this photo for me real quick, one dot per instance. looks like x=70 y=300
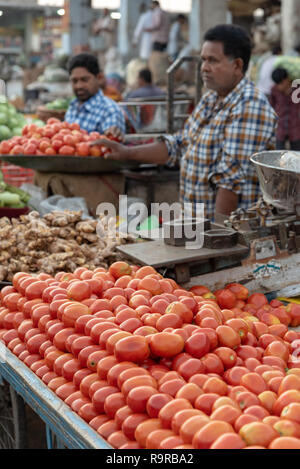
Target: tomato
x=112 y=403
x=240 y=291
x=267 y=400
x=137 y=398
x=119 y=269
x=130 y=325
x=100 y=395
x=226 y=299
x=289 y=382
x=136 y=381
x=168 y=320
x=171 y=387
x=70 y=368
x=228 y=337
x=191 y=367
x=34 y=343
x=227 y=356
x=228 y=441
x=167 y=412
x=60 y=337
x=208 y=434
x=60 y=361
x=181 y=310
x=165 y=344
x=257 y=300
x=286 y=398
x=127 y=373
x=258 y=433
x=131 y=422
x=277 y=349
x=79 y=344
x=215 y=385
x=107 y=429
x=132 y=348
x=292 y=412
x=55 y=383
x=233 y=375
x=35 y=289
x=86 y=351
x=285 y=442
x=86 y=383
x=67 y=150
x=105 y=364
x=65 y=390
x=118 y=439
x=97 y=421
x=191 y=426
x=72 y=312
x=197 y=345
x=212 y=364
x=258 y=411
x=189 y=391
x=79 y=375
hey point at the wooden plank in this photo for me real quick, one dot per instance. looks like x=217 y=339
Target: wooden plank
x=158 y=254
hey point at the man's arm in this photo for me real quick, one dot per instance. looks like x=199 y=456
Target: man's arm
x=226 y=202
x=153 y=153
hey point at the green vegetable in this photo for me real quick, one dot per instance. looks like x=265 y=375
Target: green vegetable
x=5 y=132
x=7 y=199
x=24 y=196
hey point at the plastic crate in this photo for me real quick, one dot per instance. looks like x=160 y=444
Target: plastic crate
x=15 y=175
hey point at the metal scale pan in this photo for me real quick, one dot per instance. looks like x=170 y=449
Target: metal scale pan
x=280 y=186
x=69 y=164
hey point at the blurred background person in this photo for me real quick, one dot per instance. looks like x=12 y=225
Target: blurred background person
x=105 y=26
x=141 y=37
x=177 y=36
x=145 y=87
x=265 y=82
x=288 y=111
x=160 y=28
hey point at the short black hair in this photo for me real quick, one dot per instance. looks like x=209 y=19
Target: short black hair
x=235 y=39
x=146 y=75
x=88 y=61
x=276 y=49
x=279 y=74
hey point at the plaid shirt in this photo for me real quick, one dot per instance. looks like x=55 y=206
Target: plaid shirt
x=216 y=144
x=97 y=114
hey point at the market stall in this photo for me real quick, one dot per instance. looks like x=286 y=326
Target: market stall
x=140 y=341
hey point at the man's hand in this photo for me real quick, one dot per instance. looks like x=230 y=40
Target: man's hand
x=115 y=132
x=119 y=152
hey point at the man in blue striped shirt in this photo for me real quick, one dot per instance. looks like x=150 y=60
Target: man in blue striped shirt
x=93 y=111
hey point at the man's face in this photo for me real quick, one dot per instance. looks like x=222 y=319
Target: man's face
x=284 y=86
x=85 y=84
x=219 y=72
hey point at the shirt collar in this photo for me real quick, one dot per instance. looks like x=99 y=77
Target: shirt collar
x=231 y=96
x=90 y=104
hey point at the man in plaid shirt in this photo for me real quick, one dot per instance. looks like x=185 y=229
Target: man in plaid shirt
x=231 y=122
x=92 y=110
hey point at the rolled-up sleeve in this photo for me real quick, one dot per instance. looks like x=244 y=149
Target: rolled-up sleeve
x=251 y=129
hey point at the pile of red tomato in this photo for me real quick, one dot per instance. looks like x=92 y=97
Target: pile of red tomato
x=150 y=365
x=55 y=138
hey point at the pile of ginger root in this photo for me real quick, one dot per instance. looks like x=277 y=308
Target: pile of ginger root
x=58 y=241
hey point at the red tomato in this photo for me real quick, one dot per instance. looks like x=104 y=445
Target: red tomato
x=165 y=344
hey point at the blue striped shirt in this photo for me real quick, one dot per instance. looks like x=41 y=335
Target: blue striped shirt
x=97 y=114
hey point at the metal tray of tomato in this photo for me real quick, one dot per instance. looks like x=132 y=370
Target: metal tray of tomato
x=68 y=164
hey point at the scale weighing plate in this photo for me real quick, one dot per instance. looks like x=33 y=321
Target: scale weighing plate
x=158 y=254
x=69 y=164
